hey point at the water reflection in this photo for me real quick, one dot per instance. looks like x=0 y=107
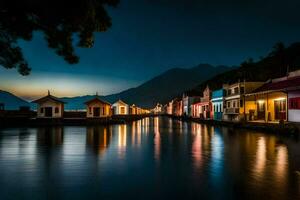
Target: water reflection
x=122 y=140
x=99 y=138
x=158 y=157
x=50 y=136
x=157 y=143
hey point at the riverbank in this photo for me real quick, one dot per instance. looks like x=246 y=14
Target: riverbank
x=289 y=129
x=8 y=122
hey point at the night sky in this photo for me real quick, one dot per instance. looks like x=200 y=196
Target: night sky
x=150 y=36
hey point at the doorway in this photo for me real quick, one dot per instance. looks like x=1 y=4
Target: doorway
x=261 y=110
x=48 y=111
x=280 y=109
x=96 y=112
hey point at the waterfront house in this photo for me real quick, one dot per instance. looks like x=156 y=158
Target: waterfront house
x=177 y=107
x=195 y=108
x=187 y=102
x=203 y=107
x=170 y=108
x=158 y=109
x=217 y=104
x=120 y=108
x=96 y=108
x=278 y=99
x=133 y=109
x=49 y=107
x=235 y=107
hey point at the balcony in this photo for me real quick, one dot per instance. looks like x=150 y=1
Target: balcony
x=231 y=111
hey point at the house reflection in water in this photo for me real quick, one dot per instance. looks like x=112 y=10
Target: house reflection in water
x=197 y=146
x=157 y=142
x=136 y=133
x=99 y=138
x=271 y=157
x=50 y=136
x=122 y=139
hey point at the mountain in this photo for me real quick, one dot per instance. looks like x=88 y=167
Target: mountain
x=159 y=89
x=12 y=102
x=276 y=64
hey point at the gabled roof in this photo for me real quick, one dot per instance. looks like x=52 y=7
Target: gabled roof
x=48 y=97
x=283 y=85
x=121 y=102
x=96 y=99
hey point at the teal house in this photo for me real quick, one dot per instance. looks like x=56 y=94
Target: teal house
x=217 y=104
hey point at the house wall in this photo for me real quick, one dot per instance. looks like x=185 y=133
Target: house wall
x=91 y=106
x=293 y=114
x=53 y=104
x=217 y=110
x=117 y=108
x=269 y=103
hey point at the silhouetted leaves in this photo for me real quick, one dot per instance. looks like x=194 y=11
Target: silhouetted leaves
x=59 y=20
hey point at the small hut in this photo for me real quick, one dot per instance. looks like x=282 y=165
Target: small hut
x=49 y=107
x=97 y=107
x=120 y=108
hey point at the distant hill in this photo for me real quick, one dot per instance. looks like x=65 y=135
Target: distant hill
x=276 y=64
x=159 y=89
x=12 y=102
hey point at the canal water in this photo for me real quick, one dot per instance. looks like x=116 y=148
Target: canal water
x=154 y=158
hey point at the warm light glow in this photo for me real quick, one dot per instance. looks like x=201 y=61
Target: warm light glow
x=260 y=101
x=261 y=156
x=280 y=99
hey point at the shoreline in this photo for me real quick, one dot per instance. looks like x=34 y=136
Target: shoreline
x=287 y=129
x=80 y=121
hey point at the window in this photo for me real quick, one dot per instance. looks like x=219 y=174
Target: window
x=234 y=104
x=56 y=110
x=90 y=110
x=103 y=110
x=228 y=104
x=229 y=92
x=42 y=110
x=241 y=103
x=294 y=103
x=236 y=90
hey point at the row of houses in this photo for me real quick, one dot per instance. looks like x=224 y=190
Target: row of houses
x=53 y=107
x=272 y=101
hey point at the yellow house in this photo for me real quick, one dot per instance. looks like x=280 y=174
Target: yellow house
x=269 y=102
x=97 y=107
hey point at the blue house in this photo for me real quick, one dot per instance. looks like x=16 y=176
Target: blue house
x=217 y=104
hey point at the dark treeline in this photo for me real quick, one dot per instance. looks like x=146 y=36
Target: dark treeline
x=276 y=64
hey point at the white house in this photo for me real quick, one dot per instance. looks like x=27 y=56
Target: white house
x=49 y=107
x=120 y=108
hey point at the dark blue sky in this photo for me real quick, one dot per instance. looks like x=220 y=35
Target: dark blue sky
x=151 y=36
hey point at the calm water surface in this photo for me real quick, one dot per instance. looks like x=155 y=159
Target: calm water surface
x=155 y=158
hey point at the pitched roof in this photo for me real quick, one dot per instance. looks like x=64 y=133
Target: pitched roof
x=121 y=102
x=282 y=85
x=98 y=100
x=48 y=97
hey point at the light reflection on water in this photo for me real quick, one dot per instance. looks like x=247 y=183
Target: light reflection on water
x=150 y=158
